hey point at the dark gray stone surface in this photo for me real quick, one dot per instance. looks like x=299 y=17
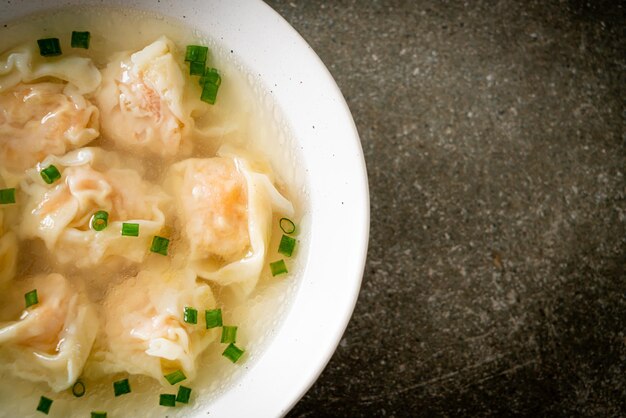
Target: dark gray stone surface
x=495 y=138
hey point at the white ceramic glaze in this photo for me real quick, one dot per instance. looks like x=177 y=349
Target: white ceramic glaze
x=320 y=120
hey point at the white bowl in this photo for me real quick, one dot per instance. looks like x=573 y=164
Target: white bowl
x=336 y=183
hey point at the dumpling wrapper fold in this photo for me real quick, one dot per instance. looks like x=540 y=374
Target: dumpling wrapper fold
x=205 y=205
x=50 y=341
x=145 y=332
x=92 y=180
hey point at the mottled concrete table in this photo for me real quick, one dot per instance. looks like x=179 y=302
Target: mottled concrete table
x=495 y=139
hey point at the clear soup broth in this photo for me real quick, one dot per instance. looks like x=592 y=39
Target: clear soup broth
x=213 y=180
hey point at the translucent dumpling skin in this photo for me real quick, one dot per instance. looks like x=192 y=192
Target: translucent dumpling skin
x=43 y=106
x=216 y=189
x=8 y=253
x=50 y=341
x=225 y=208
x=143 y=101
x=25 y=64
x=145 y=332
x=37 y=120
x=60 y=213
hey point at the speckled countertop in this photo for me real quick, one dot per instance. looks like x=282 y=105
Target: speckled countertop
x=495 y=139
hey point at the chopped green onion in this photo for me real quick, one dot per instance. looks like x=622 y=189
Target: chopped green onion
x=210 y=76
x=184 y=393
x=213 y=318
x=130 y=229
x=159 y=245
x=31 y=298
x=196 y=53
x=98 y=414
x=50 y=174
x=286 y=246
x=209 y=93
x=175 y=377
x=278 y=267
x=232 y=352
x=166 y=399
x=121 y=387
x=196 y=68
x=7 y=196
x=229 y=334
x=44 y=405
x=210 y=83
x=191 y=315
x=78 y=389
x=99 y=220
x=49 y=47
x=80 y=39
x=287 y=225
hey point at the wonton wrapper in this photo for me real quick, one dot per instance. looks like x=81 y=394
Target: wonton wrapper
x=49 y=117
x=24 y=65
x=143 y=101
x=144 y=331
x=37 y=120
x=8 y=253
x=225 y=208
x=60 y=213
x=50 y=341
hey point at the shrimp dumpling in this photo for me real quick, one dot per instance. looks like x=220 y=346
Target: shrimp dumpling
x=225 y=208
x=60 y=214
x=43 y=106
x=51 y=340
x=40 y=119
x=145 y=332
x=143 y=101
x=215 y=188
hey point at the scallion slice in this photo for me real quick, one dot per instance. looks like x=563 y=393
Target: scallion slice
x=7 y=196
x=49 y=47
x=175 y=377
x=196 y=68
x=44 y=405
x=287 y=225
x=78 y=389
x=130 y=229
x=233 y=353
x=196 y=53
x=286 y=246
x=229 y=334
x=50 y=174
x=209 y=93
x=98 y=414
x=210 y=76
x=278 y=267
x=213 y=318
x=159 y=245
x=99 y=220
x=191 y=315
x=31 y=298
x=166 y=399
x=80 y=39
x=121 y=387
x=184 y=393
